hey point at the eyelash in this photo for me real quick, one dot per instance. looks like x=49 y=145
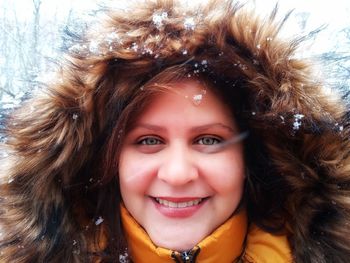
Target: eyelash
x=203 y=140
x=213 y=140
x=143 y=141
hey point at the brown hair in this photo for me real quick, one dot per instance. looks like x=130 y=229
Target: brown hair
x=263 y=188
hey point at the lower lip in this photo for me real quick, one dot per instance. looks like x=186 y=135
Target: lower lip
x=180 y=212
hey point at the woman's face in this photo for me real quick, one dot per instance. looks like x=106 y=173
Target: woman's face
x=171 y=183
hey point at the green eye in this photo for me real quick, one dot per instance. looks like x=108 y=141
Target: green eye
x=208 y=141
x=149 y=141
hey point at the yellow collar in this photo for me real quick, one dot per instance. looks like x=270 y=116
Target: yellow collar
x=224 y=245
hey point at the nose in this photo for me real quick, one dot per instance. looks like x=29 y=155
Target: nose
x=178 y=167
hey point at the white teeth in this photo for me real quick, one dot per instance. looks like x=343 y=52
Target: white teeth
x=180 y=204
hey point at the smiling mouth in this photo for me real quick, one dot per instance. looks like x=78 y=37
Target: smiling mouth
x=172 y=204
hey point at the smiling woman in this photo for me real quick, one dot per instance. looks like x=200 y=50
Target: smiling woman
x=178 y=135
x=168 y=179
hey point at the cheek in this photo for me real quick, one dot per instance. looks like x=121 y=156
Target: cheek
x=135 y=173
x=225 y=173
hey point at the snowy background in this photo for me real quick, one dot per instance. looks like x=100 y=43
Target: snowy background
x=32 y=37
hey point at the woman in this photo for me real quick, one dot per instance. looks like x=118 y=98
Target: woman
x=173 y=135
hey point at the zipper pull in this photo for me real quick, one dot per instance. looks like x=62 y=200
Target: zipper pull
x=186 y=256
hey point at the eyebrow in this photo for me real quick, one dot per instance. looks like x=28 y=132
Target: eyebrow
x=203 y=128
x=200 y=128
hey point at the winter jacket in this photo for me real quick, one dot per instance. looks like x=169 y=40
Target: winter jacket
x=59 y=190
x=231 y=242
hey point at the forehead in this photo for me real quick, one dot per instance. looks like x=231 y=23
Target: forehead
x=188 y=98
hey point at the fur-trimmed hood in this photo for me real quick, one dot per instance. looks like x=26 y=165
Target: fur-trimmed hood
x=55 y=141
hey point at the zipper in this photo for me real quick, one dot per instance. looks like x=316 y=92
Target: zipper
x=188 y=256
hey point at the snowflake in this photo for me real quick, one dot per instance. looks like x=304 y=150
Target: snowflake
x=297 y=121
x=189 y=23
x=134 y=47
x=243 y=66
x=282 y=118
x=158 y=18
x=124 y=258
x=112 y=38
x=197 y=98
x=99 y=221
x=299 y=116
x=94 y=47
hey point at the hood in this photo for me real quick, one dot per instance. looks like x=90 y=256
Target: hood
x=56 y=139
